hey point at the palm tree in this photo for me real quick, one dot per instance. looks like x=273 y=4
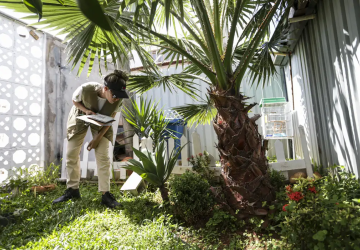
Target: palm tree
x=223 y=40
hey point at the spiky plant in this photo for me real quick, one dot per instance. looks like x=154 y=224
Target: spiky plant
x=155 y=168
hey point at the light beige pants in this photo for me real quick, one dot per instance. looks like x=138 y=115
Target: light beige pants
x=73 y=162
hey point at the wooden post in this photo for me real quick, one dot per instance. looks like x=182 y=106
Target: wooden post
x=280 y=155
x=122 y=173
x=149 y=145
x=143 y=143
x=196 y=143
x=212 y=161
x=85 y=160
x=171 y=145
x=184 y=152
x=136 y=145
x=92 y=165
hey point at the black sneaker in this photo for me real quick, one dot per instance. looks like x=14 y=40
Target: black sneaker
x=69 y=194
x=108 y=199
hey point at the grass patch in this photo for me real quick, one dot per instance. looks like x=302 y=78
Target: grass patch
x=86 y=224
x=142 y=223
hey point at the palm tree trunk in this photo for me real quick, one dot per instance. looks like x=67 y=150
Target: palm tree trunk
x=164 y=193
x=242 y=153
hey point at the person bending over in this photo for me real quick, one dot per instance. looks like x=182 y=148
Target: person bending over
x=91 y=98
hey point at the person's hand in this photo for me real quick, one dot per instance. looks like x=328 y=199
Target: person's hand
x=89 y=112
x=94 y=143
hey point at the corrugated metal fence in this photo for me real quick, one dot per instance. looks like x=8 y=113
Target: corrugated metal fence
x=326 y=64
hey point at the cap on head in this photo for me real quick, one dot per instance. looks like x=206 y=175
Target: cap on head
x=116 y=82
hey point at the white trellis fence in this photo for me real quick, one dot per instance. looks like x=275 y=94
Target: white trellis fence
x=284 y=166
x=144 y=144
x=134 y=181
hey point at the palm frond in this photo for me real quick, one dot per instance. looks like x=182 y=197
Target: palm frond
x=174 y=82
x=186 y=43
x=86 y=39
x=253 y=45
x=207 y=24
x=140 y=116
x=195 y=114
x=201 y=11
x=261 y=66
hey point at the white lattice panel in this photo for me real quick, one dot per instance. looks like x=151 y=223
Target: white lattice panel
x=5 y=159
x=27 y=100
x=21 y=81
x=6 y=64
x=27 y=45
x=6 y=33
x=26 y=68
x=5 y=132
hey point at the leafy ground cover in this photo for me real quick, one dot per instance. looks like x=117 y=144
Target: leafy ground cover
x=145 y=222
x=86 y=224
x=142 y=223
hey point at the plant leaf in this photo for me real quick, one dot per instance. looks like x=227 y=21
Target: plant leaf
x=152 y=178
x=160 y=161
x=35 y=6
x=202 y=113
x=95 y=13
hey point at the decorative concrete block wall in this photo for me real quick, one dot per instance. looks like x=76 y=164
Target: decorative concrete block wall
x=21 y=95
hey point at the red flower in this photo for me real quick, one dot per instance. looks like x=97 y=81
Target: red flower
x=312 y=189
x=337 y=203
x=295 y=196
x=288 y=188
x=200 y=154
x=284 y=207
x=188 y=159
x=192 y=157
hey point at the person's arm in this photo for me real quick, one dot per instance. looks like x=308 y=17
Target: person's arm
x=81 y=106
x=95 y=141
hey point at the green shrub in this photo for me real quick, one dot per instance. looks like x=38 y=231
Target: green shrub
x=277 y=179
x=340 y=183
x=23 y=178
x=201 y=165
x=222 y=221
x=191 y=196
x=272 y=159
x=317 y=217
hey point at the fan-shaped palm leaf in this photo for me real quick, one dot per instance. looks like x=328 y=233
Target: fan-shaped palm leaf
x=195 y=114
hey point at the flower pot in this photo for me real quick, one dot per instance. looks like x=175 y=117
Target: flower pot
x=128 y=172
x=126 y=159
x=43 y=189
x=296 y=176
